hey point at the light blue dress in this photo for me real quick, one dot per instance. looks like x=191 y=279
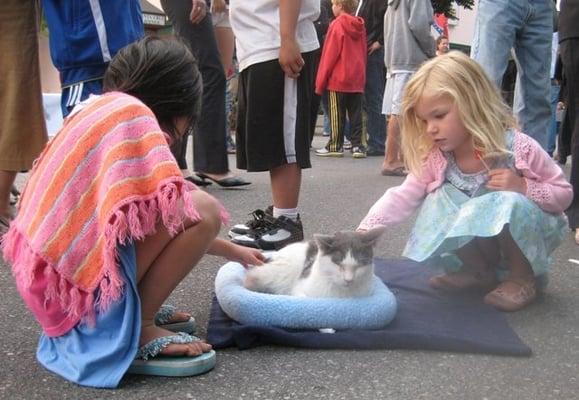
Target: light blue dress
x=462 y=209
x=100 y=356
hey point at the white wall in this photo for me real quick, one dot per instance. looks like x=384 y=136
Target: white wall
x=462 y=31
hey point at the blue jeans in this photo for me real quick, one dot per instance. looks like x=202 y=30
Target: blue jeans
x=375 y=82
x=554 y=127
x=527 y=27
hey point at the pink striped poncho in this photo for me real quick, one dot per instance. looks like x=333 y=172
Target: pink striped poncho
x=107 y=177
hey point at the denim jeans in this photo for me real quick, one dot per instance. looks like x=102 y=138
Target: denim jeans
x=525 y=26
x=554 y=125
x=375 y=81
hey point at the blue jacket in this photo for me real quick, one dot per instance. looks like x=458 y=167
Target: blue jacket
x=86 y=34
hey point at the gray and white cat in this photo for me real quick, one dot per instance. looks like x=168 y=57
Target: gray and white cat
x=339 y=265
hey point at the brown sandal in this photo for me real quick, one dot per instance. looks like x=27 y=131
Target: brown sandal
x=512 y=294
x=463 y=280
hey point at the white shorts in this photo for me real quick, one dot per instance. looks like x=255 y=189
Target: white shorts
x=221 y=20
x=392 y=103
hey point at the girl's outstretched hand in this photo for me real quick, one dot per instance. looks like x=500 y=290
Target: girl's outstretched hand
x=246 y=255
x=506 y=179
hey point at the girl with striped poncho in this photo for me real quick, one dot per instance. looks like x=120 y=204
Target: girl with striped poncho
x=107 y=226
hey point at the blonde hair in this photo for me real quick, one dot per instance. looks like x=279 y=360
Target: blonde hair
x=349 y=6
x=481 y=108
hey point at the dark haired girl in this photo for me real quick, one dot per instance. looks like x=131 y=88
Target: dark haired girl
x=108 y=227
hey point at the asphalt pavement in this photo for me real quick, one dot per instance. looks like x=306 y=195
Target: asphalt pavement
x=336 y=194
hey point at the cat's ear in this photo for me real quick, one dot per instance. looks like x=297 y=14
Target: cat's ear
x=371 y=237
x=325 y=242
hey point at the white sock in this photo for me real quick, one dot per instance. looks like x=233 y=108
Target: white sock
x=291 y=213
x=186 y=173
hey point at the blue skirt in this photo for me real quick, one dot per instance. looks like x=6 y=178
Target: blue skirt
x=449 y=219
x=101 y=355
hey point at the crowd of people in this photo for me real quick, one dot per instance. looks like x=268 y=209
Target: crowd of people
x=111 y=218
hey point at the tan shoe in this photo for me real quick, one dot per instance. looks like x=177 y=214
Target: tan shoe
x=577 y=236
x=512 y=295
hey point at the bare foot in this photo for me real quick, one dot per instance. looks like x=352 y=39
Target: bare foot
x=179 y=316
x=150 y=332
x=577 y=236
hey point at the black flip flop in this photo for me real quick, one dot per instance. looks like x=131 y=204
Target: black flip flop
x=231 y=181
x=197 y=181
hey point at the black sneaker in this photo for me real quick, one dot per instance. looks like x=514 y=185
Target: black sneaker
x=261 y=220
x=283 y=232
x=358 y=152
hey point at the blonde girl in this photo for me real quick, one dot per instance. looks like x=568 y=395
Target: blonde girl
x=491 y=198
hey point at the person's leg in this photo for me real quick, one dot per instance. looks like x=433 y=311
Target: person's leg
x=354 y=107
x=337 y=113
x=392 y=158
x=209 y=143
x=316 y=100
x=285 y=185
x=6 y=181
x=519 y=267
x=553 y=124
x=226 y=45
x=22 y=126
x=495 y=29
x=179 y=150
x=393 y=163
x=162 y=263
x=325 y=110
x=570 y=58
x=375 y=81
x=519 y=289
x=274 y=128
x=480 y=258
x=533 y=88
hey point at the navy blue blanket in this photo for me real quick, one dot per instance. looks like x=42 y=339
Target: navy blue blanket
x=426 y=320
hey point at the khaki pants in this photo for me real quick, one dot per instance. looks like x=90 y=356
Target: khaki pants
x=22 y=126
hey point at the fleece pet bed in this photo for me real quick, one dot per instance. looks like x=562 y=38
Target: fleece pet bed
x=261 y=309
x=426 y=319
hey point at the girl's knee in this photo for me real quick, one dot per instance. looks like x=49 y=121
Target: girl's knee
x=209 y=210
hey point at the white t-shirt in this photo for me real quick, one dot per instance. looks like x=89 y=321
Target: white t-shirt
x=255 y=24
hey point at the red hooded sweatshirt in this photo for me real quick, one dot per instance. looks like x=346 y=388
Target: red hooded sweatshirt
x=343 y=62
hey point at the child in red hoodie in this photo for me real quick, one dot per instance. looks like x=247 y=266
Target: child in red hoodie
x=342 y=72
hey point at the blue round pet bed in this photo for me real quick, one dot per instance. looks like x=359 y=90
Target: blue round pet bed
x=260 y=309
